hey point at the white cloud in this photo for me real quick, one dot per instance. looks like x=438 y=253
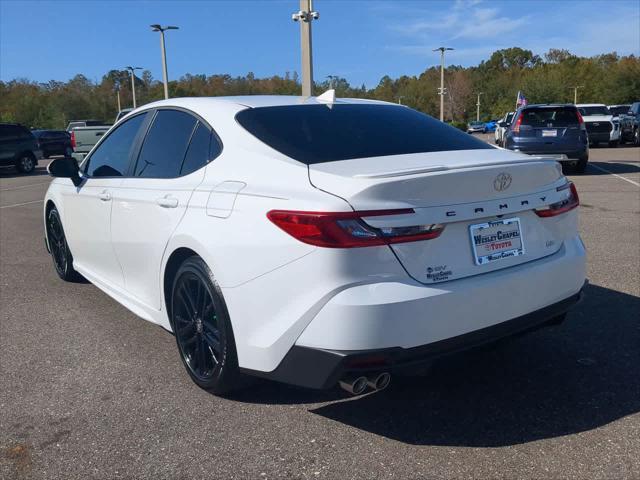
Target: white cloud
x=465 y=20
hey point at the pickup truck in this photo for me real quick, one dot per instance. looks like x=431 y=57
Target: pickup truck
x=84 y=138
x=630 y=125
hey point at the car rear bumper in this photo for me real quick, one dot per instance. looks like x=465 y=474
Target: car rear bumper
x=401 y=325
x=570 y=154
x=322 y=368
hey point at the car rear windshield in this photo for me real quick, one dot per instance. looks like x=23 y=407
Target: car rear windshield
x=586 y=111
x=550 y=117
x=620 y=110
x=327 y=133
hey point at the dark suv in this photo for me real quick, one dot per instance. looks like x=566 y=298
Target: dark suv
x=556 y=131
x=18 y=147
x=54 y=142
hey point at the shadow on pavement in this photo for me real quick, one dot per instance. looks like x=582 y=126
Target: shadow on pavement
x=553 y=382
x=613 y=167
x=12 y=172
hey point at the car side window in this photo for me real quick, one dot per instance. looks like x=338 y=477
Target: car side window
x=198 y=153
x=165 y=145
x=111 y=158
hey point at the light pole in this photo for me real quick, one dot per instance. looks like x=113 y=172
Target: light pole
x=478 y=107
x=165 y=78
x=133 y=82
x=441 y=91
x=575 y=93
x=305 y=15
x=331 y=78
x=117 y=88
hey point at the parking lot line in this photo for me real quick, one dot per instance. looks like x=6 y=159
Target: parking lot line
x=615 y=174
x=23 y=186
x=21 y=204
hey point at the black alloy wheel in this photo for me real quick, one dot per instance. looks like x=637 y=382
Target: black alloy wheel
x=60 y=253
x=202 y=328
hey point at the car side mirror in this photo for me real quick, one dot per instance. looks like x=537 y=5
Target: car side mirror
x=65 y=168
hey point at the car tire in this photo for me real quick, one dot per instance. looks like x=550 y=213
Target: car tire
x=59 y=249
x=202 y=328
x=26 y=163
x=581 y=165
x=636 y=137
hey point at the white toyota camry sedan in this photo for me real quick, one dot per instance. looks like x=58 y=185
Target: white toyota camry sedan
x=315 y=241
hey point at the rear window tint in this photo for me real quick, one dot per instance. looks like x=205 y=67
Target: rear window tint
x=326 y=133
x=550 y=117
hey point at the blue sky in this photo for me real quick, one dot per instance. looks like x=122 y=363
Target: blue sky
x=359 y=40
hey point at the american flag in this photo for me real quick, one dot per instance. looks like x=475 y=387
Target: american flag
x=521 y=101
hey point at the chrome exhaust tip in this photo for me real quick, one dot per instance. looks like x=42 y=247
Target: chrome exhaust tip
x=354 y=385
x=380 y=381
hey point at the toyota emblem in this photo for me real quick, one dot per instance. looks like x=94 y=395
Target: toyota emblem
x=502 y=182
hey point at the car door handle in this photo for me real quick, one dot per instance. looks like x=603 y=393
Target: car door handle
x=104 y=196
x=167 y=202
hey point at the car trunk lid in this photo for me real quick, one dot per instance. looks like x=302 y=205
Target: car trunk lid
x=458 y=190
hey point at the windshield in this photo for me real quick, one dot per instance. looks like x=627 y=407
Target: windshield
x=586 y=111
x=620 y=109
x=326 y=133
x=550 y=117
x=509 y=117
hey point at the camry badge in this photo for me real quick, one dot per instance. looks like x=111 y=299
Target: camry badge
x=502 y=182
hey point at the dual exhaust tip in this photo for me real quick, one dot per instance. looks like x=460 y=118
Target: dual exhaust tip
x=357 y=385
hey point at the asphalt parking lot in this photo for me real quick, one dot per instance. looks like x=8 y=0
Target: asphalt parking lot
x=88 y=390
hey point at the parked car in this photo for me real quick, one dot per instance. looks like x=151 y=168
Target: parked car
x=83 y=123
x=557 y=131
x=314 y=245
x=502 y=126
x=600 y=124
x=18 y=147
x=54 y=142
x=630 y=125
x=619 y=110
x=490 y=126
x=83 y=139
x=475 y=127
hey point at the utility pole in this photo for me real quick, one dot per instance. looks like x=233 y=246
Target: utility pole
x=305 y=16
x=441 y=90
x=133 y=82
x=165 y=77
x=575 y=93
x=478 y=107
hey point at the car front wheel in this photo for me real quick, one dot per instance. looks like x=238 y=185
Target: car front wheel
x=60 y=253
x=202 y=328
x=26 y=163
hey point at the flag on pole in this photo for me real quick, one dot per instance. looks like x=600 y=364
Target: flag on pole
x=521 y=101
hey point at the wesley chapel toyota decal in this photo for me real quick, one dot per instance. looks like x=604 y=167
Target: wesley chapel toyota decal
x=502 y=182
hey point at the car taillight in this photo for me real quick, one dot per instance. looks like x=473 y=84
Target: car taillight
x=516 y=126
x=580 y=119
x=73 y=140
x=348 y=229
x=571 y=202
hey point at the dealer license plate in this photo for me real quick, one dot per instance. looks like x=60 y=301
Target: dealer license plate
x=496 y=240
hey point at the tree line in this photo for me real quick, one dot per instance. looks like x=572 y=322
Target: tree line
x=607 y=78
